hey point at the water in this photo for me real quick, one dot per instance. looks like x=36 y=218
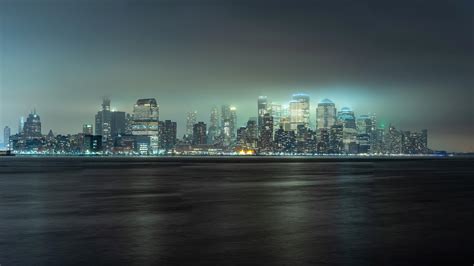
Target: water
x=58 y=211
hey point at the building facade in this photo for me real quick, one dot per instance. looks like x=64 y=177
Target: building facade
x=145 y=124
x=325 y=114
x=299 y=111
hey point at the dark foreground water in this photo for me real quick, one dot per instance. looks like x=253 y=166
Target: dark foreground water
x=59 y=211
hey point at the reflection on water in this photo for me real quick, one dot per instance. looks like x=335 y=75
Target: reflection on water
x=119 y=211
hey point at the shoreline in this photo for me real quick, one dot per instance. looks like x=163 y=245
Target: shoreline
x=232 y=158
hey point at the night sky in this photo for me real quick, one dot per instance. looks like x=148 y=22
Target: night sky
x=410 y=62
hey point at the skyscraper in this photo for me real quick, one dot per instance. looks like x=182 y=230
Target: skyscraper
x=167 y=134
x=21 y=123
x=233 y=122
x=32 y=126
x=6 y=136
x=118 y=123
x=364 y=133
x=324 y=141
x=364 y=124
x=190 y=122
x=276 y=112
x=299 y=111
x=262 y=107
x=394 y=143
x=252 y=131
x=325 y=114
x=103 y=121
x=214 y=117
x=266 y=134
x=336 y=145
x=87 y=129
x=145 y=122
x=214 y=131
x=347 y=118
x=229 y=120
x=199 y=134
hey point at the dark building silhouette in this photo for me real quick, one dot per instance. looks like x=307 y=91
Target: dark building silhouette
x=92 y=143
x=199 y=134
x=118 y=123
x=266 y=134
x=167 y=130
x=336 y=145
x=103 y=121
x=262 y=108
x=32 y=126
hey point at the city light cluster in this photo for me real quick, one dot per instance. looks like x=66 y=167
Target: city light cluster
x=275 y=130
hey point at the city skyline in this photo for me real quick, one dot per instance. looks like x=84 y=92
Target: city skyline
x=276 y=130
x=409 y=62
x=205 y=117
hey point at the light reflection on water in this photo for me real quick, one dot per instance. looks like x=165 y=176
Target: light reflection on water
x=107 y=211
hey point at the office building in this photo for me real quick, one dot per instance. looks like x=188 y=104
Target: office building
x=6 y=136
x=299 y=111
x=32 y=126
x=145 y=124
x=266 y=134
x=191 y=118
x=118 y=123
x=103 y=121
x=92 y=143
x=325 y=114
x=87 y=129
x=168 y=136
x=199 y=134
x=262 y=108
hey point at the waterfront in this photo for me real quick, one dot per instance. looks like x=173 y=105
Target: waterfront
x=235 y=211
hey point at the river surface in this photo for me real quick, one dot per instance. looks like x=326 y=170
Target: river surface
x=119 y=211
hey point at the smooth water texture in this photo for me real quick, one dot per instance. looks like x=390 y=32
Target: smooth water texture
x=59 y=211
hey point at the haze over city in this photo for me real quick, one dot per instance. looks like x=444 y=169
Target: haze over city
x=410 y=62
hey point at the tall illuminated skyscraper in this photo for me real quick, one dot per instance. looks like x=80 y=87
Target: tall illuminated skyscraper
x=214 y=129
x=233 y=122
x=225 y=115
x=32 y=126
x=145 y=123
x=325 y=114
x=229 y=117
x=299 y=111
x=103 y=122
x=214 y=117
x=190 y=121
x=266 y=134
x=21 y=123
x=276 y=112
x=6 y=136
x=262 y=107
